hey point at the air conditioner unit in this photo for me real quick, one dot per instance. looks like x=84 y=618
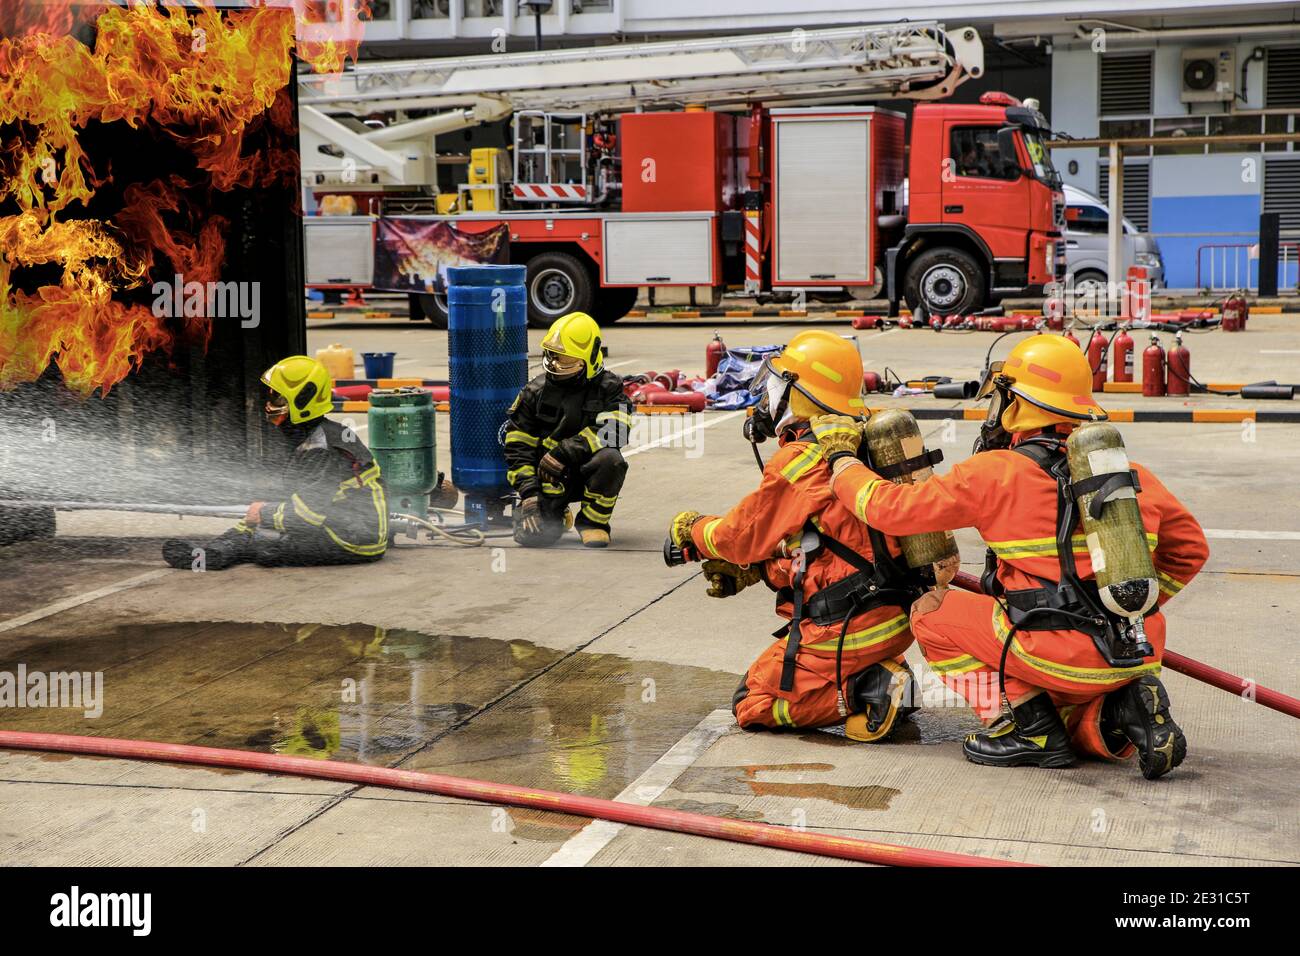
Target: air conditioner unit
x=1209 y=75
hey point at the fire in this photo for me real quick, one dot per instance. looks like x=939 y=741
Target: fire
x=189 y=77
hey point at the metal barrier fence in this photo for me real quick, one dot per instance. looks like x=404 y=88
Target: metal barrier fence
x=1224 y=266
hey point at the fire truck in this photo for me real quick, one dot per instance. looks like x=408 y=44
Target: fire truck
x=689 y=169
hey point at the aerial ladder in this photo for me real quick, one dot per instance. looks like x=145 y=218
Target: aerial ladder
x=921 y=61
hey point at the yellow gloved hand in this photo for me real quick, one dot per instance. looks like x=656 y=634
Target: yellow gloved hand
x=680 y=530
x=837 y=434
x=726 y=579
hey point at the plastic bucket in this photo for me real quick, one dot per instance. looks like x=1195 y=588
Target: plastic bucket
x=378 y=364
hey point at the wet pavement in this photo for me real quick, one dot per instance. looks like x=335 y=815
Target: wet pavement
x=578 y=671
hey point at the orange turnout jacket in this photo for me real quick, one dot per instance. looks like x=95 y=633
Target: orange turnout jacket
x=765 y=527
x=1012 y=502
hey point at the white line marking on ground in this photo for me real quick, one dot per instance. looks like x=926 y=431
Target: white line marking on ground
x=881 y=335
x=58 y=607
x=622 y=363
x=1279 y=351
x=1252 y=535
x=668 y=439
x=582 y=847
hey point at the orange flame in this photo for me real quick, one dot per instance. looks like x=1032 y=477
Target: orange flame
x=196 y=77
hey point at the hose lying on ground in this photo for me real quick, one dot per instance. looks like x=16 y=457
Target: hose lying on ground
x=1272 y=699
x=658 y=818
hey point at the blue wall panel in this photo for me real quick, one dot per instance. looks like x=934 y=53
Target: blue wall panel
x=1200 y=215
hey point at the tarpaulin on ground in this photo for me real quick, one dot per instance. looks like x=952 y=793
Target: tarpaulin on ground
x=729 y=387
x=411 y=254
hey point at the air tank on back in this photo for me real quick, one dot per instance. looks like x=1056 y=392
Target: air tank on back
x=487 y=347
x=896 y=446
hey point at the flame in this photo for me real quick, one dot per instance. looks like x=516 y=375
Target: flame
x=187 y=75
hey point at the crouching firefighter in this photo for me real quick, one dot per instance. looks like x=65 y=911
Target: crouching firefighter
x=335 y=511
x=838 y=582
x=1066 y=643
x=563 y=437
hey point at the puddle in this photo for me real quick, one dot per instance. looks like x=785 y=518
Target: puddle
x=751 y=780
x=728 y=810
x=590 y=723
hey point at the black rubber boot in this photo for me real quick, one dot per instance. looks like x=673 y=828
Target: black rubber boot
x=224 y=551
x=1036 y=736
x=880 y=697
x=1140 y=711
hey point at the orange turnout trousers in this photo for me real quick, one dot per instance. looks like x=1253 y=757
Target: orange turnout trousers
x=765 y=528
x=1012 y=502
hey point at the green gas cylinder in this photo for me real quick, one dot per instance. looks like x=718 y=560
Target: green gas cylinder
x=402 y=441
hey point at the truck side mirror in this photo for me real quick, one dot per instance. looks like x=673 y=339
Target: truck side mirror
x=1007 y=150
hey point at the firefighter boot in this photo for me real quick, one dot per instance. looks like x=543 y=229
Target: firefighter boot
x=880 y=696
x=1140 y=712
x=224 y=551
x=1035 y=735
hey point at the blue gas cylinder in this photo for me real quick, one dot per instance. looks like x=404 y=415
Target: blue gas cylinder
x=487 y=346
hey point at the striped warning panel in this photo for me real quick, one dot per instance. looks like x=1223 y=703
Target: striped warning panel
x=1221 y=416
x=555 y=192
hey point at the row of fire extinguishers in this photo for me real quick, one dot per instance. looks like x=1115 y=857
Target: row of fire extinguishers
x=1163 y=373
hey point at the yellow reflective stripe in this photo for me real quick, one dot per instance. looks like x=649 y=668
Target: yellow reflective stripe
x=872 y=636
x=1170 y=585
x=1037 y=547
x=864 y=498
x=600 y=517
x=1080 y=675
x=277 y=517
x=781 y=713
x=517 y=437
x=306 y=514
x=800 y=465
x=621 y=417
x=550 y=489
x=523 y=471
x=549 y=443
x=607 y=500
x=709 y=546
x=591 y=438
x=956 y=665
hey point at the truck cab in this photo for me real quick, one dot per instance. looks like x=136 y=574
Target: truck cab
x=985 y=212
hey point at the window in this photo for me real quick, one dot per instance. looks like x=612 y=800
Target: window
x=1125 y=83
x=1090 y=219
x=975 y=154
x=1127 y=129
x=1279 y=123
x=1246 y=124
x=1180 y=128
x=430 y=9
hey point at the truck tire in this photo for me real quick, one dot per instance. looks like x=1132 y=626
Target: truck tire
x=944 y=281
x=1090 y=283
x=26 y=524
x=557 y=284
x=614 y=303
x=432 y=307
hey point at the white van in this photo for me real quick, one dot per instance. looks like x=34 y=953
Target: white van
x=1087 y=222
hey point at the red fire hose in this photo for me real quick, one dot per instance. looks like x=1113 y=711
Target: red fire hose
x=1273 y=699
x=658 y=818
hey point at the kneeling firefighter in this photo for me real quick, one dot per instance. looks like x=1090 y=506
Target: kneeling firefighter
x=335 y=512
x=563 y=437
x=1066 y=642
x=838 y=582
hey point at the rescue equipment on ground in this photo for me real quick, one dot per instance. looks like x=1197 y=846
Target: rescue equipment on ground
x=1069 y=336
x=487 y=346
x=1097 y=360
x=1234 y=312
x=1179 y=363
x=713 y=353
x=1122 y=356
x=1153 y=369
x=897 y=452
x=401 y=437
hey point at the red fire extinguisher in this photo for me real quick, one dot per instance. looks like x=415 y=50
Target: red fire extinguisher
x=713 y=355
x=1180 y=368
x=1234 y=312
x=1069 y=335
x=1153 y=369
x=1097 y=359
x=1122 y=362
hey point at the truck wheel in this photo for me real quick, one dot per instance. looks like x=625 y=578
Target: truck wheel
x=944 y=281
x=614 y=303
x=432 y=306
x=557 y=284
x=1090 y=283
x=26 y=524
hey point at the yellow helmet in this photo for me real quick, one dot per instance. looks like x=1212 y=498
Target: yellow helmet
x=305 y=386
x=1052 y=382
x=572 y=338
x=826 y=370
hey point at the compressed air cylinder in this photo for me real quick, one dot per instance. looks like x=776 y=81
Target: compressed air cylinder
x=401 y=437
x=893 y=436
x=1117 y=540
x=487 y=345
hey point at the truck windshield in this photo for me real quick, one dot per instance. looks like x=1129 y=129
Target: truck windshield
x=1041 y=159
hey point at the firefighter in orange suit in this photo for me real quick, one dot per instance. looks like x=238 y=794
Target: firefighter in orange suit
x=1066 y=692
x=837 y=583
